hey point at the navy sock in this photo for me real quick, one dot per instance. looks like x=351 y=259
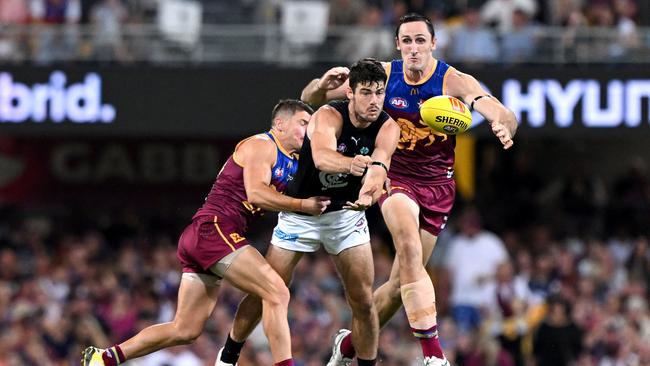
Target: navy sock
x=231 y=351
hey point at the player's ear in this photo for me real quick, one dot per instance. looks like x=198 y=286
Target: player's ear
x=397 y=44
x=278 y=123
x=349 y=92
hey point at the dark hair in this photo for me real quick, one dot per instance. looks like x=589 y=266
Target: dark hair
x=290 y=106
x=414 y=17
x=367 y=70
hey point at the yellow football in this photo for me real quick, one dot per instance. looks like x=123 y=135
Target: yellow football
x=446 y=114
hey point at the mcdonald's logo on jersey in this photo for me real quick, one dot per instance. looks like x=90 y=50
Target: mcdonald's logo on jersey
x=457 y=105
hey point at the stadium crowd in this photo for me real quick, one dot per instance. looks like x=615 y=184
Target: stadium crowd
x=468 y=31
x=558 y=274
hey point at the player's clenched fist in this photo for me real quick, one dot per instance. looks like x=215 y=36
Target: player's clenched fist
x=359 y=165
x=314 y=205
x=333 y=78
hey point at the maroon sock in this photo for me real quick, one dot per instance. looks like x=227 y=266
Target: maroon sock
x=113 y=356
x=429 y=341
x=287 y=362
x=347 y=348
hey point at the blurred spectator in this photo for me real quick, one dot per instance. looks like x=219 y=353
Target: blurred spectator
x=346 y=12
x=558 y=341
x=472 y=42
x=629 y=38
x=59 y=40
x=559 y=11
x=13 y=40
x=368 y=39
x=108 y=17
x=519 y=45
x=512 y=312
x=14 y=12
x=638 y=263
x=472 y=278
x=487 y=352
x=500 y=12
x=394 y=12
x=437 y=14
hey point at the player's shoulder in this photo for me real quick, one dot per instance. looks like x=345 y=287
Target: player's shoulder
x=261 y=143
x=455 y=75
x=458 y=83
x=331 y=110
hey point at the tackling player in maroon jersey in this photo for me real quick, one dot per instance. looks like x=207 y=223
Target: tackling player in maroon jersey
x=214 y=247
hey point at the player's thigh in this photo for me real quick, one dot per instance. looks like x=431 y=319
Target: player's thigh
x=400 y=213
x=283 y=261
x=251 y=273
x=356 y=268
x=197 y=296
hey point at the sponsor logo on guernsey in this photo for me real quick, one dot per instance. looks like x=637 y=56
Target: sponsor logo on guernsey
x=332 y=180
x=279 y=172
x=364 y=150
x=284 y=236
x=341 y=148
x=398 y=102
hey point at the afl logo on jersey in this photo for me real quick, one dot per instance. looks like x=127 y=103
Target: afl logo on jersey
x=279 y=172
x=398 y=102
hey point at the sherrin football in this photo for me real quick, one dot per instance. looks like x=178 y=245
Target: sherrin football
x=446 y=114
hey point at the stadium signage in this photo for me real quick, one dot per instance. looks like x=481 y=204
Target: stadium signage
x=192 y=102
x=147 y=163
x=594 y=103
x=54 y=101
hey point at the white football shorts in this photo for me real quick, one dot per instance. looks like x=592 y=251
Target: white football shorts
x=336 y=231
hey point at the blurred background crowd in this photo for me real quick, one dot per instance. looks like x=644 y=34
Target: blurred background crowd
x=473 y=31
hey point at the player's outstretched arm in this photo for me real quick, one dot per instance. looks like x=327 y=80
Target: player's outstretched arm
x=373 y=183
x=502 y=120
x=325 y=126
x=258 y=157
x=332 y=85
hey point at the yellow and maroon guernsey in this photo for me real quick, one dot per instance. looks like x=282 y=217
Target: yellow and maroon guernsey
x=422 y=154
x=227 y=198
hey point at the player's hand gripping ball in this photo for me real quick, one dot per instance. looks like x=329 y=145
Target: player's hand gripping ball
x=446 y=114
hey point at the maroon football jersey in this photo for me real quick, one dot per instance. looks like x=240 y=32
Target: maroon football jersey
x=227 y=198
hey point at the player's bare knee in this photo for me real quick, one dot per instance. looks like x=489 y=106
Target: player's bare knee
x=361 y=302
x=186 y=334
x=278 y=293
x=409 y=255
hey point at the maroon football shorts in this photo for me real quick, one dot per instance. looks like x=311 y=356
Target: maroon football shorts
x=435 y=201
x=206 y=241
